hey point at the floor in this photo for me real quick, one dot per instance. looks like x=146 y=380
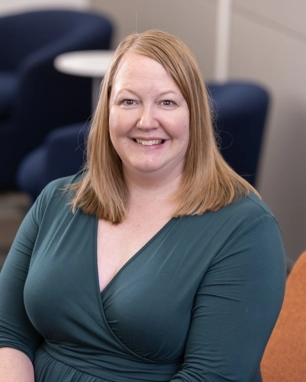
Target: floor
x=13 y=207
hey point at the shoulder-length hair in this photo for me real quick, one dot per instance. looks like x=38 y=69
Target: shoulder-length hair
x=207 y=182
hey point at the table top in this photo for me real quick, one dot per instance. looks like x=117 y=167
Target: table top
x=87 y=63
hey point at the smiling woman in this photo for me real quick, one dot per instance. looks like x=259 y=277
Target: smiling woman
x=207 y=182
x=148 y=120
x=155 y=263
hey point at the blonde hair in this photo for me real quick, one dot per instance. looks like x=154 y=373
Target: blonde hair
x=208 y=183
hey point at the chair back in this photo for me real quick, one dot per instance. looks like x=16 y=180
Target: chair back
x=240 y=111
x=29 y=31
x=38 y=98
x=284 y=359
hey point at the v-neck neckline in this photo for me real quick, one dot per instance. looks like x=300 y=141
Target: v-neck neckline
x=126 y=264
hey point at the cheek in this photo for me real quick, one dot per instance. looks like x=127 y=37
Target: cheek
x=185 y=134
x=187 y=126
x=113 y=120
x=118 y=130
x=112 y=126
x=119 y=123
x=184 y=127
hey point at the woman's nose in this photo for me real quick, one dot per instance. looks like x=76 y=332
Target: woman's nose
x=148 y=118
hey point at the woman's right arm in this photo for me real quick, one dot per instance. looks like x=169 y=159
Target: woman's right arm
x=15 y=366
x=18 y=338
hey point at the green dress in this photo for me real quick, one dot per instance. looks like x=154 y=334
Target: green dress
x=197 y=303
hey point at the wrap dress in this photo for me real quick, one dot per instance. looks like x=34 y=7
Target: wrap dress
x=197 y=303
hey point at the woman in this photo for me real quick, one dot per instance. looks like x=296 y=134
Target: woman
x=155 y=263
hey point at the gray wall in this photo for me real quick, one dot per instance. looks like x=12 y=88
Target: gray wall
x=192 y=20
x=268 y=44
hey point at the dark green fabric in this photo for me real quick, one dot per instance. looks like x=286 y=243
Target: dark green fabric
x=197 y=303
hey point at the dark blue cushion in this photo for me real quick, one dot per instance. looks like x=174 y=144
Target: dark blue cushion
x=62 y=154
x=45 y=98
x=8 y=90
x=239 y=114
x=31 y=172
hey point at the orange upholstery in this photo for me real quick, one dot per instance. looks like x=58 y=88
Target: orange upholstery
x=284 y=359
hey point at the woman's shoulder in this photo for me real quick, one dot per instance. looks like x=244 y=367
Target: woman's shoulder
x=251 y=205
x=63 y=182
x=248 y=211
x=57 y=194
x=247 y=207
x=60 y=186
x=249 y=215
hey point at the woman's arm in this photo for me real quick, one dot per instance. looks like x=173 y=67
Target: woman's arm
x=15 y=366
x=18 y=338
x=236 y=306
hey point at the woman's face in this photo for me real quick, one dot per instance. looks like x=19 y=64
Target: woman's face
x=148 y=119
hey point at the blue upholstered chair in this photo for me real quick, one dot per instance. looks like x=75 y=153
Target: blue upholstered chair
x=61 y=154
x=240 y=113
x=240 y=110
x=34 y=97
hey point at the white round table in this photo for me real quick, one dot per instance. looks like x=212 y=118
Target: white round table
x=87 y=63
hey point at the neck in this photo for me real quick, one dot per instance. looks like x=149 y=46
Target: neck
x=145 y=191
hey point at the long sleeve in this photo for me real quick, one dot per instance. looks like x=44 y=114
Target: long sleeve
x=16 y=331
x=236 y=307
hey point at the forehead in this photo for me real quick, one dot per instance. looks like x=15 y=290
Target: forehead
x=137 y=67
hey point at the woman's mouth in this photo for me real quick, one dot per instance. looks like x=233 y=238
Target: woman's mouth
x=152 y=142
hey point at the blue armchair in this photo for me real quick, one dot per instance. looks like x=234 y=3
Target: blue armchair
x=240 y=113
x=34 y=97
x=240 y=110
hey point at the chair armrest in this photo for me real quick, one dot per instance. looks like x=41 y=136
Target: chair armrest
x=65 y=151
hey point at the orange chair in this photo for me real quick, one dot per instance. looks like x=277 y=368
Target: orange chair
x=284 y=359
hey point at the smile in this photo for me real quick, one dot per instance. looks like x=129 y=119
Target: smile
x=150 y=143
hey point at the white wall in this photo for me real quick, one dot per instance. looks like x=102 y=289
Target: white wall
x=192 y=20
x=14 y=6
x=268 y=44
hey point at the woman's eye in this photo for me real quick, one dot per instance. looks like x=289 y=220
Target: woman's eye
x=167 y=102
x=128 y=102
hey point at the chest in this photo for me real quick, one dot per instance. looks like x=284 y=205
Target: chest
x=117 y=244
x=146 y=305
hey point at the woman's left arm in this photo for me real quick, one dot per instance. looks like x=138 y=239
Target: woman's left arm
x=236 y=306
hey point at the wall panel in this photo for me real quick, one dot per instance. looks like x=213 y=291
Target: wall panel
x=193 y=21
x=264 y=54
x=289 y=16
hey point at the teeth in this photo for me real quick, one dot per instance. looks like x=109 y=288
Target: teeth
x=150 y=143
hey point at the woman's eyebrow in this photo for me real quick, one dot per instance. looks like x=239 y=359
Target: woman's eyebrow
x=134 y=92
x=169 y=92
x=122 y=90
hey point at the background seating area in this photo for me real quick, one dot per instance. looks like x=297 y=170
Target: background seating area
x=34 y=97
